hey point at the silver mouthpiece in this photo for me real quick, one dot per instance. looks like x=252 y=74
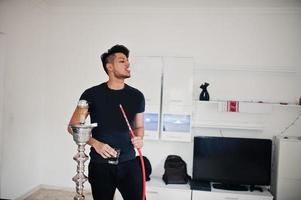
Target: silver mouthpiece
x=83 y=110
x=82 y=104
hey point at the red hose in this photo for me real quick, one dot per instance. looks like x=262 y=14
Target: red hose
x=139 y=151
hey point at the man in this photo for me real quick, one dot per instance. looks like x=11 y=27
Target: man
x=112 y=131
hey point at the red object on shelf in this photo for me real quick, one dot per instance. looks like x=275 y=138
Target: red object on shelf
x=233 y=106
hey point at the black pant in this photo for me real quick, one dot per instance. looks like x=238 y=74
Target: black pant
x=105 y=178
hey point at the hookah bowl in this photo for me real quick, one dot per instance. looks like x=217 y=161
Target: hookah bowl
x=81 y=134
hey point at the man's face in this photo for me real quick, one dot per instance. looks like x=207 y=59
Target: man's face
x=121 y=66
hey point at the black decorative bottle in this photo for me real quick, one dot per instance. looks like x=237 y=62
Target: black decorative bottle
x=204 y=96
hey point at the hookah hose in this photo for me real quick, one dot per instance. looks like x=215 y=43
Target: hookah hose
x=139 y=151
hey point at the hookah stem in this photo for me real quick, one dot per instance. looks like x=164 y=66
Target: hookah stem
x=139 y=151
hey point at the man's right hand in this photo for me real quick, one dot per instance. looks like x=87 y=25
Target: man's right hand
x=105 y=150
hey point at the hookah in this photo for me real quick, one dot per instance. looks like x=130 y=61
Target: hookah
x=81 y=134
x=131 y=132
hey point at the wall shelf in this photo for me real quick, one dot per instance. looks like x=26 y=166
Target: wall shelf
x=217 y=120
x=288 y=105
x=228 y=126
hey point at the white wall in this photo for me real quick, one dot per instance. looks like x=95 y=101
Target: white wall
x=2 y=56
x=24 y=117
x=53 y=55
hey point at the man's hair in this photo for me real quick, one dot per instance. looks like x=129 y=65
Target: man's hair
x=109 y=56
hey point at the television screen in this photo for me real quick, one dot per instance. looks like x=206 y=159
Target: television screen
x=232 y=160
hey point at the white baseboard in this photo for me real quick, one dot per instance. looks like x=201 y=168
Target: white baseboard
x=30 y=192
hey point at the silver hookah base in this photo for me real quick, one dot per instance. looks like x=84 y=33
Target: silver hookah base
x=80 y=178
x=81 y=135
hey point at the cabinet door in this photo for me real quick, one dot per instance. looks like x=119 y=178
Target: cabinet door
x=289 y=163
x=201 y=195
x=176 y=127
x=177 y=99
x=178 y=81
x=146 y=75
x=152 y=193
x=288 y=189
x=175 y=195
x=289 y=173
x=160 y=193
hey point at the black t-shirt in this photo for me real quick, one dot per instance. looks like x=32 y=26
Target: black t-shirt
x=112 y=128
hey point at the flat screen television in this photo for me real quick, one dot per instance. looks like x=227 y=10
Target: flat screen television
x=232 y=163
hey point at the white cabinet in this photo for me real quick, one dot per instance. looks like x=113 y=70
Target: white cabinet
x=230 y=195
x=167 y=84
x=146 y=75
x=286 y=184
x=178 y=82
x=177 y=99
x=157 y=190
x=160 y=193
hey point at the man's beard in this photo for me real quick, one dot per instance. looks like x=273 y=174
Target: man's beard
x=122 y=76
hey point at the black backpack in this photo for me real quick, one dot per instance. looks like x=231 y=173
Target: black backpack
x=175 y=170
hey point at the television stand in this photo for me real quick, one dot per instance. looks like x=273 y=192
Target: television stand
x=253 y=188
x=216 y=194
x=234 y=187
x=200 y=185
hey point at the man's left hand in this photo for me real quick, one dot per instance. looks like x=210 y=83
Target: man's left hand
x=137 y=142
